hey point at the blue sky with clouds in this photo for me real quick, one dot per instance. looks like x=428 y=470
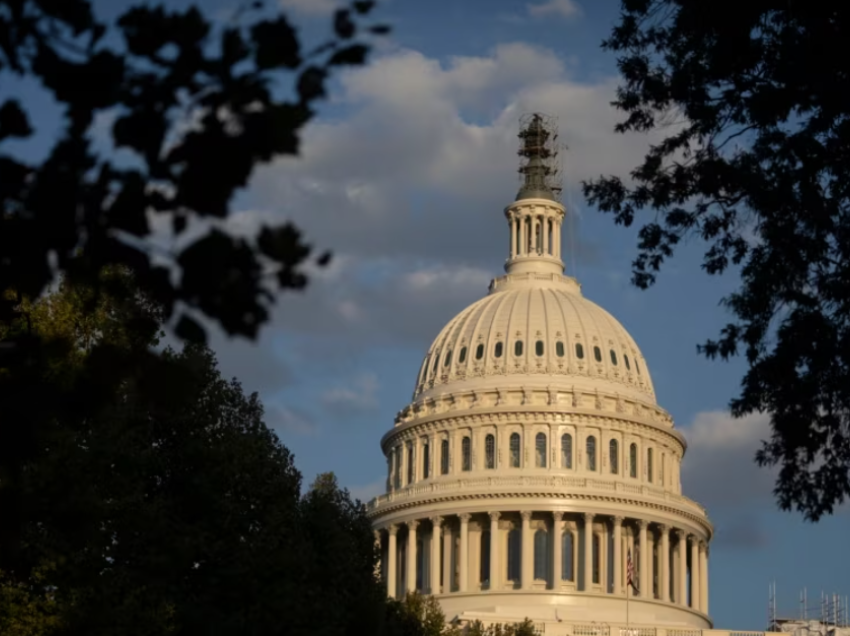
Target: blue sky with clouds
x=404 y=176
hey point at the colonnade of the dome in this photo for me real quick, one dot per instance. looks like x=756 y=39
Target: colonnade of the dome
x=562 y=552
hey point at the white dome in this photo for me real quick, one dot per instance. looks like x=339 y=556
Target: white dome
x=535 y=327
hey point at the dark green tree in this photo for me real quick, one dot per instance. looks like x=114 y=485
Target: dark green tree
x=753 y=100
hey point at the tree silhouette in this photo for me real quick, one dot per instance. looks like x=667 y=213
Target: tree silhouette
x=756 y=165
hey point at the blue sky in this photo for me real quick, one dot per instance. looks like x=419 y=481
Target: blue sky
x=404 y=176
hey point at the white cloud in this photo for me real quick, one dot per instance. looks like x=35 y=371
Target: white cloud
x=359 y=396
x=316 y=8
x=562 y=8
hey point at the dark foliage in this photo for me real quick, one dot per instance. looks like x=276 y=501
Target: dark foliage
x=755 y=99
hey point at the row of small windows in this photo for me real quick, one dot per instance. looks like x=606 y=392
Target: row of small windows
x=515 y=457
x=539 y=349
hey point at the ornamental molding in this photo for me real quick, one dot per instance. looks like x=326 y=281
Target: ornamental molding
x=666 y=438
x=376 y=513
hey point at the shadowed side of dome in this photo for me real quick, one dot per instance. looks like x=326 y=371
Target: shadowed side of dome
x=525 y=331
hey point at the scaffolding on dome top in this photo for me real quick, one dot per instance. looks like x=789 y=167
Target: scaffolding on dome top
x=539 y=149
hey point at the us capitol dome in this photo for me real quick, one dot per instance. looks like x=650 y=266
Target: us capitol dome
x=533 y=467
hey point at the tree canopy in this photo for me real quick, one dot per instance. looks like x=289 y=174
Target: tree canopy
x=755 y=164
x=197 y=105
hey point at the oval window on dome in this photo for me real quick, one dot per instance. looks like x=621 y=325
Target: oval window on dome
x=613 y=357
x=579 y=351
x=559 y=349
x=449 y=359
x=538 y=348
x=597 y=353
x=498 y=351
x=462 y=357
x=436 y=362
x=626 y=360
x=518 y=348
x=479 y=352
x=637 y=366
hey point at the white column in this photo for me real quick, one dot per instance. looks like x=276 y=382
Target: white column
x=588 y=551
x=436 y=543
x=512 y=223
x=557 y=549
x=527 y=561
x=695 y=573
x=494 y=550
x=664 y=576
x=682 y=575
x=556 y=235
x=392 y=551
x=522 y=232
x=645 y=592
x=411 y=555
x=448 y=573
x=463 y=555
x=618 y=556
x=703 y=573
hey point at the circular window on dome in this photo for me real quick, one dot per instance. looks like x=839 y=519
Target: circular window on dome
x=462 y=357
x=579 y=351
x=559 y=349
x=597 y=353
x=479 y=352
x=613 y=357
x=626 y=360
x=449 y=359
x=498 y=351
x=538 y=348
x=518 y=348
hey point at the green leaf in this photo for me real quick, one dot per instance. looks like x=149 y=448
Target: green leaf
x=233 y=47
x=311 y=84
x=276 y=44
x=13 y=120
x=379 y=29
x=363 y=6
x=189 y=330
x=353 y=55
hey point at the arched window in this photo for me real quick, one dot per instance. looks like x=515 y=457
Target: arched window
x=426 y=459
x=597 y=354
x=633 y=467
x=498 y=351
x=462 y=357
x=398 y=455
x=410 y=464
x=579 y=351
x=448 y=359
x=567 y=562
x=596 y=559
x=538 y=348
x=515 y=450
x=591 y=452
x=466 y=454
x=436 y=363
x=514 y=555
x=566 y=451
x=485 y=557
x=541 y=555
x=649 y=465
x=626 y=360
x=613 y=357
x=614 y=456
x=661 y=469
x=559 y=349
x=479 y=352
x=518 y=348
x=444 y=457
x=540 y=450
x=489 y=452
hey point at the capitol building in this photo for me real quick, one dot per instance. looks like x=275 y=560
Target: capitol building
x=534 y=463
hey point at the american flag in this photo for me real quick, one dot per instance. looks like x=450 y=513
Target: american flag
x=630 y=571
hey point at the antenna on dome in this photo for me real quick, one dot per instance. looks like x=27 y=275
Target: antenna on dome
x=540 y=163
